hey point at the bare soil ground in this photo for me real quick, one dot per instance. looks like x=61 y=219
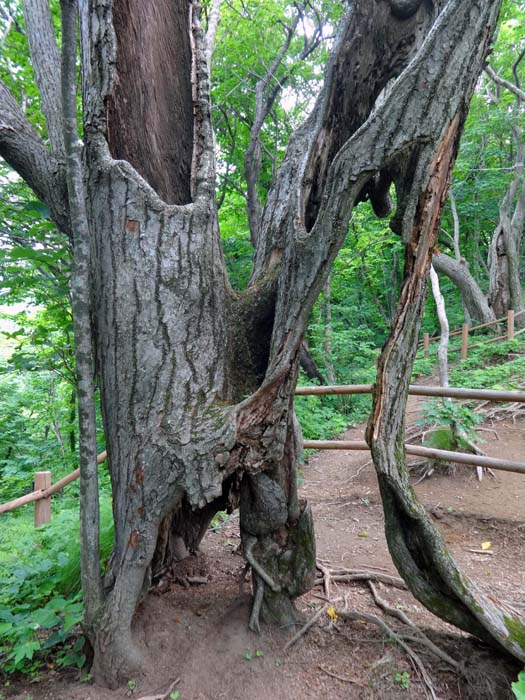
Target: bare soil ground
x=198 y=636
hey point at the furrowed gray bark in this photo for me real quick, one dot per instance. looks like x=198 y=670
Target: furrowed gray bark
x=80 y=301
x=46 y=65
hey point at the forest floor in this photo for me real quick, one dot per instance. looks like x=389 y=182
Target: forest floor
x=197 y=638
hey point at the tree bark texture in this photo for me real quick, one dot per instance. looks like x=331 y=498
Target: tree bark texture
x=197 y=380
x=415 y=544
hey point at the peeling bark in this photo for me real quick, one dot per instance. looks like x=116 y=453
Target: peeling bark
x=415 y=544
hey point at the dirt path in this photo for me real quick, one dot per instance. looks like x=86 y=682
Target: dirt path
x=200 y=635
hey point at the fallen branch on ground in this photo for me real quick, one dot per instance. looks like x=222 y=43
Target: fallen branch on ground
x=311 y=622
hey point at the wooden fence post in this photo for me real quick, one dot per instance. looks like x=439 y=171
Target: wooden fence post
x=42 y=507
x=464 y=341
x=426 y=344
x=510 y=324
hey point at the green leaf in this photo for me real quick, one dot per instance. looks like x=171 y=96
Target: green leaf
x=518 y=688
x=45 y=617
x=5 y=627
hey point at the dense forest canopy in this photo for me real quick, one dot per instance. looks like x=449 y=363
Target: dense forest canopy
x=206 y=238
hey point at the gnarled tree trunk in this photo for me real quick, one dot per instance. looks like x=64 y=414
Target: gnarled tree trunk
x=197 y=380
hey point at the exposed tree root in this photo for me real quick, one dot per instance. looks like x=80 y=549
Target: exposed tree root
x=304 y=629
x=421 y=637
x=341 y=678
x=414 y=658
x=416 y=636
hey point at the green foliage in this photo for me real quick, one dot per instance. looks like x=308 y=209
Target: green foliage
x=402 y=680
x=451 y=423
x=518 y=688
x=492 y=367
x=319 y=417
x=40 y=607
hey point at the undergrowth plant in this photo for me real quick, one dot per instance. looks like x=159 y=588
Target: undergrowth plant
x=518 y=688
x=40 y=603
x=452 y=425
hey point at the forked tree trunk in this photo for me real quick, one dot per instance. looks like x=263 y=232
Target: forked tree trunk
x=178 y=350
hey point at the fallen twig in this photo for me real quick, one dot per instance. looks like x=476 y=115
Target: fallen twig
x=414 y=658
x=341 y=678
x=161 y=696
x=305 y=627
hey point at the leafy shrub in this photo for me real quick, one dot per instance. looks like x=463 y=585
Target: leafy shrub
x=40 y=605
x=518 y=688
x=452 y=423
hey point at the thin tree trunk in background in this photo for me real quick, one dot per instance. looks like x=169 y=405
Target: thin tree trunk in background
x=80 y=301
x=505 y=290
x=457 y=251
x=442 y=352
x=328 y=332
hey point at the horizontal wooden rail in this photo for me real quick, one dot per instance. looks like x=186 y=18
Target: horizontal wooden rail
x=429 y=452
x=417 y=390
x=503 y=319
x=46 y=493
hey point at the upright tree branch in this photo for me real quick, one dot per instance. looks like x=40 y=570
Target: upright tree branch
x=45 y=60
x=211 y=31
x=80 y=286
x=265 y=97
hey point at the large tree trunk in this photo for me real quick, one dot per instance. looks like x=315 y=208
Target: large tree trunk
x=178 y=351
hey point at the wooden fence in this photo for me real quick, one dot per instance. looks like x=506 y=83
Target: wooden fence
x=419 y=450
x=466 y=330
x=44 y=490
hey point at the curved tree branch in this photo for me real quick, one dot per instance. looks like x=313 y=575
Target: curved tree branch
x=25 y=152
x=505 y=83
x=471 y=294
